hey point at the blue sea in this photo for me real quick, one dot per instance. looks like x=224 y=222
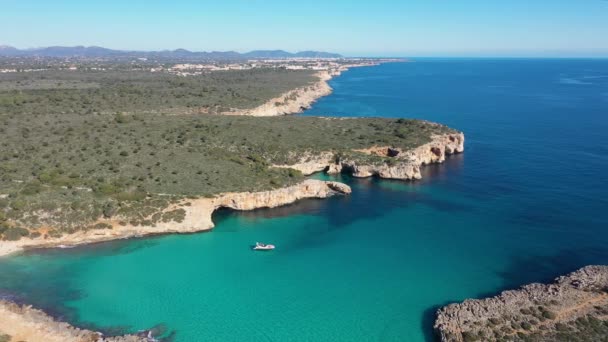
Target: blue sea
x=526 y=201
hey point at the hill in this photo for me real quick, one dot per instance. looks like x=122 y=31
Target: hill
x=101 y=52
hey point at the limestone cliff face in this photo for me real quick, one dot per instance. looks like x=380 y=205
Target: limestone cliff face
x=402 y=171
x=274 y=198
x=294 y=101
x=570 y=297
x=309 y=163
x=29 y=324
x=436 y=150
x=198 y=213
x=405 y=165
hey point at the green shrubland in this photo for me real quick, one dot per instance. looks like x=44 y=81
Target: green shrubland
x=70 y=157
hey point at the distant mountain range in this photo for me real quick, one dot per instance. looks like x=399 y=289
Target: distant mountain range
x=96 y=51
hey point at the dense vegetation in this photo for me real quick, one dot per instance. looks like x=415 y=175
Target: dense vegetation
x=133 y=90
x=80 y=146
x=81 y=167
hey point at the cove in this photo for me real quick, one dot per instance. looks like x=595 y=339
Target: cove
x=524 y=203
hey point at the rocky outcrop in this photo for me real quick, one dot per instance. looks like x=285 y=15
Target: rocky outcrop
x=28 y=324
x=274 y=198
x=312 y=163
x=537 y=310
x=196 y=218
x=404 y=164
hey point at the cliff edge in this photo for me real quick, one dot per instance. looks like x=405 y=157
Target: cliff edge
x=574 y=308
x=193 y=215
x=395 y=163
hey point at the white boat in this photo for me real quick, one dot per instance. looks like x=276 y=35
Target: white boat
x=65 y=246
x=263 y=247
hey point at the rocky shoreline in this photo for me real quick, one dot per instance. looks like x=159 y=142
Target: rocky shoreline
x=404 y=165
x=24 y=323
x=299 y=99
x=294 y=101
x=576 y=305
x=197 y=215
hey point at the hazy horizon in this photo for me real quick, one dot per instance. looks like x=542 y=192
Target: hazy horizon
x=498 y=55
x=431 y=28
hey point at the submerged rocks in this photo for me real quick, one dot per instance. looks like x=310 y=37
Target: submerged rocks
x=536 y=312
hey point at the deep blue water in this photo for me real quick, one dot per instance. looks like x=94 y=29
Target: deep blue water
x=525 y=202
x=536 y=130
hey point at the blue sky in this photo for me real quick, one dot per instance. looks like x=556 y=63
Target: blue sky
x=355 y=28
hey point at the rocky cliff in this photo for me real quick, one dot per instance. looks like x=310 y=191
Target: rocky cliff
x=403 y=164
x=575 y=305
x=293 y=101
x=196 y=215
x=274 y=198
x=25 y=323
x=31 y=325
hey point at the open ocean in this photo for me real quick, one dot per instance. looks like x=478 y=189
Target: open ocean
x=526 y=201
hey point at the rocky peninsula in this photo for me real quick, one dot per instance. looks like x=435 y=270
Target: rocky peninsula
x=403 y=164
x=573 y=308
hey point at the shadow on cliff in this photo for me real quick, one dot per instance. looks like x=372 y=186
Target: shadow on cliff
x=371 y=198
x=428 y=320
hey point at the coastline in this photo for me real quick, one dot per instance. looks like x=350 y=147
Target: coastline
x=198 y=212
x=197 y=218
x=405 y=164
x=300 y=99
x=30 y=324
x=535 y=312
x=194 y=214
x=24 y=323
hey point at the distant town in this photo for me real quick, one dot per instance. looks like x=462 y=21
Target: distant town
x=178 y=67
x=178 y=62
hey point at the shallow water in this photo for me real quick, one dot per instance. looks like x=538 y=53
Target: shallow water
x=524 y=203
